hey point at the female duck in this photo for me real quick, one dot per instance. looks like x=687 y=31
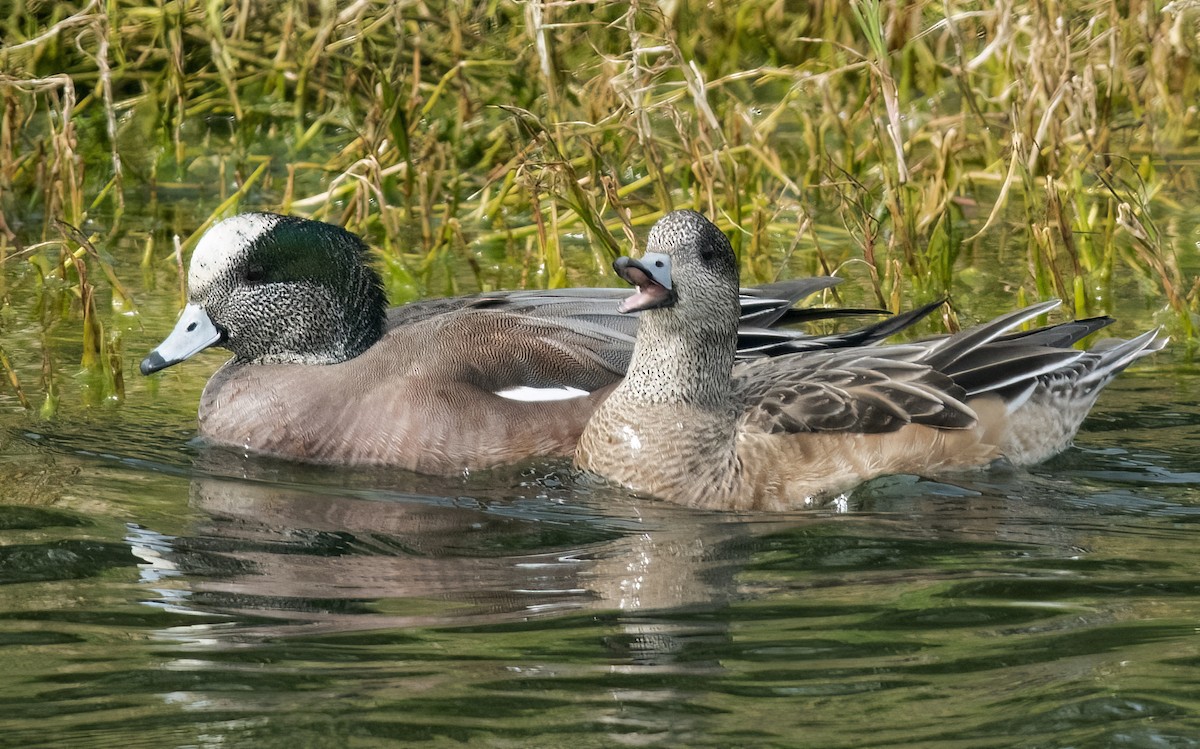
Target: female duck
x=688 y=425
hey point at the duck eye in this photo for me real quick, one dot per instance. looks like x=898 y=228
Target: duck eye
x=255 y=274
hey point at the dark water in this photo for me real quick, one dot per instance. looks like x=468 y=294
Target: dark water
x=157 y=594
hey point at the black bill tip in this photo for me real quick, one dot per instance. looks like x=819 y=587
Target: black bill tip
x=153 y=363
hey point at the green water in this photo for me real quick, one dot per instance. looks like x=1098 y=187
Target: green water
x=156 y=593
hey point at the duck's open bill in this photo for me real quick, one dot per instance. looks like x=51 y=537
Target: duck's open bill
x=651 y=275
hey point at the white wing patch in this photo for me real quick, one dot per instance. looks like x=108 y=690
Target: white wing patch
x=534 y=395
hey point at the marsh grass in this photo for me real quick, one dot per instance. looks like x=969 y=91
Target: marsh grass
x=528 y=143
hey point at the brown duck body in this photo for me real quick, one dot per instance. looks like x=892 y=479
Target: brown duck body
x=759 y=469
x=405 y=403
x=689 y=425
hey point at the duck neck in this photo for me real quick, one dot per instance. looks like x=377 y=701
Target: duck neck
x=367 y=319
x=676 y=360
x=338 y=323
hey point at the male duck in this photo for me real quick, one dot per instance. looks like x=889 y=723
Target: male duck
x=688 y=425
x=324 y=372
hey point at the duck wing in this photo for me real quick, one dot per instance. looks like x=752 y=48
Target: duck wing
x=870 y=390
x=759 y=342
x=883 y=388
x=768 y=305
x=765 y=309
x=502 y=351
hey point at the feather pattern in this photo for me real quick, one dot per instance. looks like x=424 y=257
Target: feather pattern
x=872 y=390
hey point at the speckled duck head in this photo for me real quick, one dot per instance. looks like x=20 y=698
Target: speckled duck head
x=277 y=289
x=688 y=276
x=687 y=290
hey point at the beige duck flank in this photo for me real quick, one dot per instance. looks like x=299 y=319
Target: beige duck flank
x=689 y=425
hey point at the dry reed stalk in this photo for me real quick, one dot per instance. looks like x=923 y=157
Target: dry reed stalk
x=14 y=381
x=100 y=28
x=868 y=15
x=632 y=87
x=221 y=53
x=59 y=177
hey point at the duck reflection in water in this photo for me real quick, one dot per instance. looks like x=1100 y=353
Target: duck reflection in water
x=317 y=557
x=419 y=591
x=322 y=560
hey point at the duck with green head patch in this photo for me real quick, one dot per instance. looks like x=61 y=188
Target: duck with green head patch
x=690 y=425
x=323 y=371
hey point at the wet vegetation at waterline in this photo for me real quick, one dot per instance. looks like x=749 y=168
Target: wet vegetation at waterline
x=497 y=143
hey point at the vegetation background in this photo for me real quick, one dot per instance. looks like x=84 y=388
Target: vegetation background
x=992 y=152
